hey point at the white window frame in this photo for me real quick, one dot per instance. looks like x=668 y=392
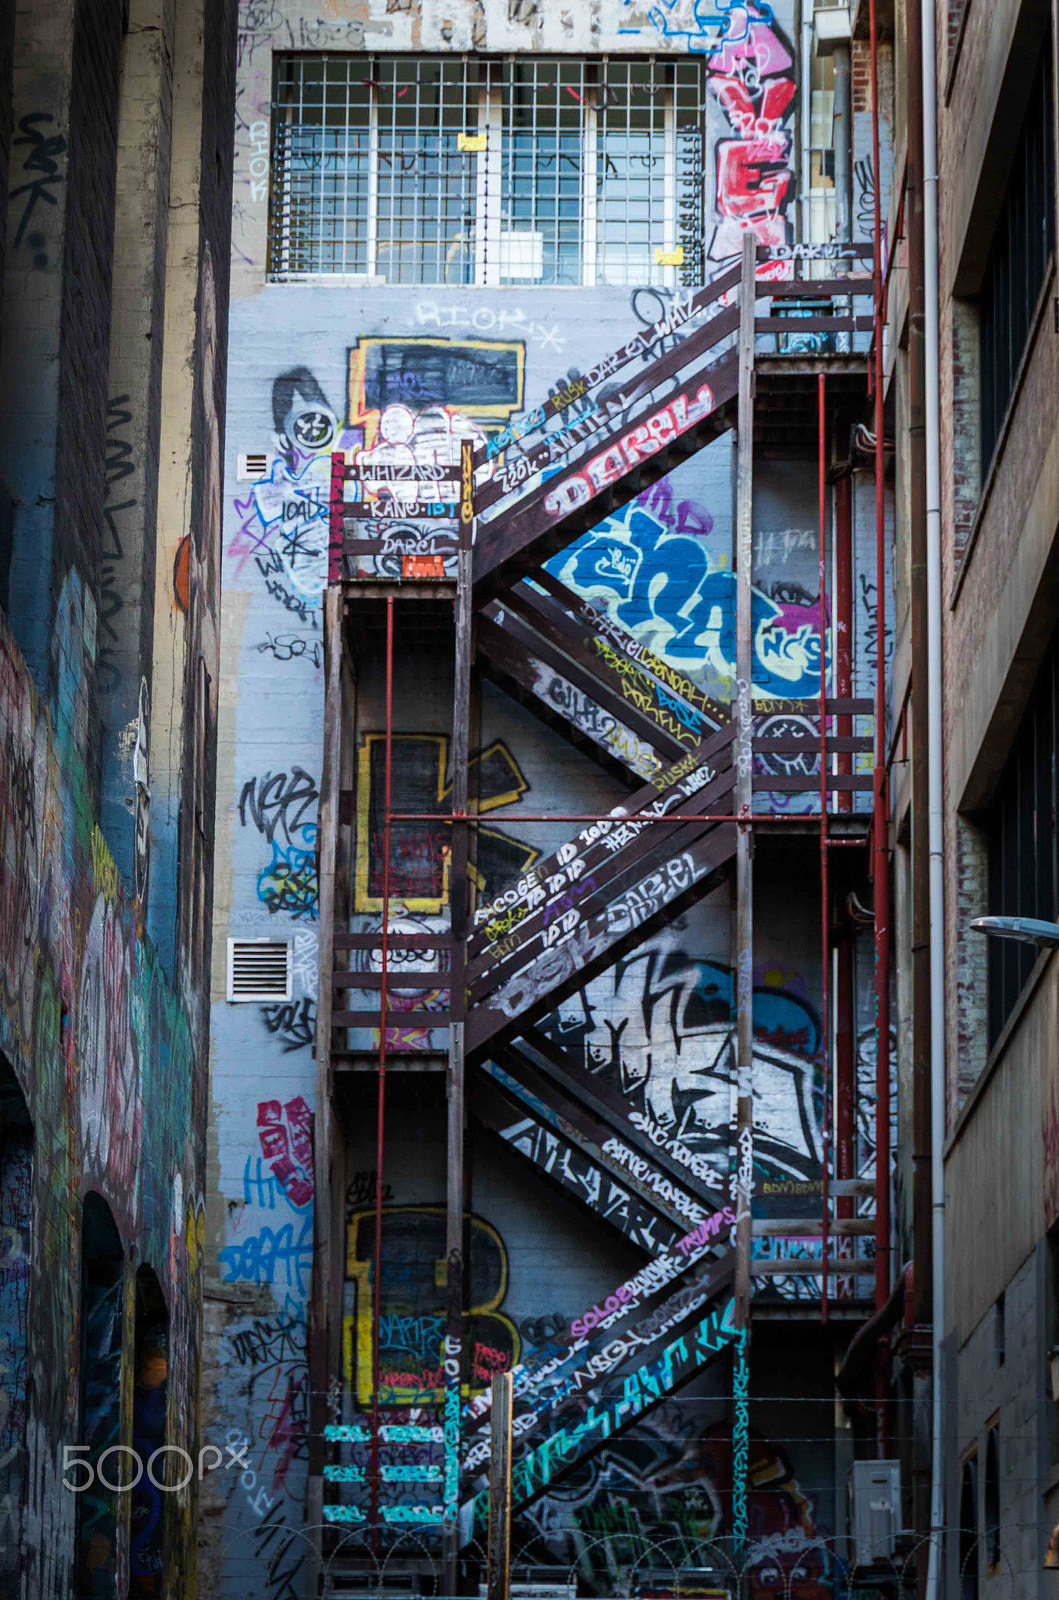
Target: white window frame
x=487 y=183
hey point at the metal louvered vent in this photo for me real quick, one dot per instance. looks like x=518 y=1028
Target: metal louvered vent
x=251 y=466
x=259 y=969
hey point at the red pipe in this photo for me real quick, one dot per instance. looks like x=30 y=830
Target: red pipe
x=843 y=602
x=845 y=1058
x=380 y=1120
x=825 y=953
x=880 y=819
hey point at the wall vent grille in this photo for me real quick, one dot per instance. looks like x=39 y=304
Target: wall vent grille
x=251 y=466
x=260 y=969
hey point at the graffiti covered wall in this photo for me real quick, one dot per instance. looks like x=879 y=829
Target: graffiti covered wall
x=658 y=1028
x=397 y=377
x=98 y=1101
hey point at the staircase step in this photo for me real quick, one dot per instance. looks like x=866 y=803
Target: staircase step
x=603 y=848
x=699 y=855
x=599 y=480
x=563 y=705
x=512 y=441
x=592 y=1167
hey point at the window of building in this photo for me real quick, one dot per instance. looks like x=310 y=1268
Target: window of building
x=999 y=1332
x=102 y=1325
x=992 y=1498
x=16 y=1218
x=169 y=1468
x=968 y=1534
x=1021 y=835
x=1018 y=257
x=529 y=170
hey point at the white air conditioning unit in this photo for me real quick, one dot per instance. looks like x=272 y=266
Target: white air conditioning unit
x=831 y=26
x=875 y=1488
x=260 y=969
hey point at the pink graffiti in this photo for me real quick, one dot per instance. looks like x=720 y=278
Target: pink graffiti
x=288 y=1432
x=288 y=1150
x=707 y=1230
x=488 y=1360
x=750 y=73
x=645 y=439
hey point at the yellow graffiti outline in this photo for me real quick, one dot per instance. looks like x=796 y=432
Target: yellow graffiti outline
x=359 y=1273
x=362 y=900
x=357 y=363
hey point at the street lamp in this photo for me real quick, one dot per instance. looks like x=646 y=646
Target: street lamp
x=1026 y=929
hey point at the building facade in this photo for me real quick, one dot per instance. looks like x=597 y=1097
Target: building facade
x=117 y=132
x=482 y=225
x=996 y=359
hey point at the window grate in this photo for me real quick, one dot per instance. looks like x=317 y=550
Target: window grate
x=260 y=969
x=529 y=170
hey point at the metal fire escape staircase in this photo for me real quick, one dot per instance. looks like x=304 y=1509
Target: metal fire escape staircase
x=589 y=450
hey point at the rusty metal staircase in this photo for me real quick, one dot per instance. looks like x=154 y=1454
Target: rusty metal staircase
x=598 y=442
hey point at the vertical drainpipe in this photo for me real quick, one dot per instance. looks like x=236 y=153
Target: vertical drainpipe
x=922 y=1229
x=842 y=138
x=843 y=141
x=935 y=763
x=805 y=121
x=880 y=797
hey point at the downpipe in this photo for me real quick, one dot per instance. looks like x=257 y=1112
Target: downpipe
x=935 y=786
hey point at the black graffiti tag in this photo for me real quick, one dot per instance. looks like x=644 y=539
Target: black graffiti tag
x=41 y=161
x=278 y=802
x=294 y=1024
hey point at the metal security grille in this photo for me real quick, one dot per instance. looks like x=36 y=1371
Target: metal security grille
x=464 y=170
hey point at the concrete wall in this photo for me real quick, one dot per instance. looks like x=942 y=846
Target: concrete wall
x=103 y=982
x=995 y=1380
x=104 y=1059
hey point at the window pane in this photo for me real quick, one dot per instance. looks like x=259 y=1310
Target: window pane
x=1018 y=257
x=600 y=168
x=1022 y=845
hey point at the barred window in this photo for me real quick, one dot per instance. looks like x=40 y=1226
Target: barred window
x=1018 y=257
x=528 y=170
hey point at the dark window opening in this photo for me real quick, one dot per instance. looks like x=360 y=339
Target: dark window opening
x=16 y=1203
x=1018 y=257
x=992 y=1499
x=999 y=1332
x=1021 y=837
x=168 y=1466
x=968 y=1540
x=102 y=1320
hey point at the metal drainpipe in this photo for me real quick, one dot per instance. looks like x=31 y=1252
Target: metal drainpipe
x=936 y=792
x=843 y=146
x=922 y=965
x=880 y=803
x=805 y=159
x=843 y=139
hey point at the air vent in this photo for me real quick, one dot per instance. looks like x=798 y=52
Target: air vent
x=259 y=969
x=252 y=466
